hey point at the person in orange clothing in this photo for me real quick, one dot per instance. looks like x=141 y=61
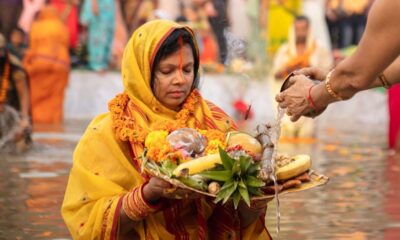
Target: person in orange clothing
x=47 y=63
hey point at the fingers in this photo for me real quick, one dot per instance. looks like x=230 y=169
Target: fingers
x=308 y=71
x=295 y=118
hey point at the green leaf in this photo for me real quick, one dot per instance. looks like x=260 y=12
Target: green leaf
x=236 y=170
x=245 y=163
x=226 y=160
x=236 y=199
x=144 y=160
x=167 y=167
x=253 y=169
x=194 y=182
x=222 y=176
x=230 y=191
x=245 y=195
x=242 y=184
x=254 y=191
x=254 y=182
x=226 y=185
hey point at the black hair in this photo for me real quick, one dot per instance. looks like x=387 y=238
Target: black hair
x=171 y=45
x=302 y=18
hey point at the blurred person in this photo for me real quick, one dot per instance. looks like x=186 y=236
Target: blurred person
x=29 y=13
x=17 y=44
x=355 y=18
x=216 y=11
x=198 y=20
x=301 y=50
x=333 y=17
x=98 y=19
x=47 y=62
x=68 y=12
x=120 y=38
x=15 y=126
x=138 y=12
x=314 y=11
x=256 y=11
x=108 y=196
x=375 y=63
x=10 y=11
x=281 y=14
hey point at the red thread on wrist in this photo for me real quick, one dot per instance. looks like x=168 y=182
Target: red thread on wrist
x=310 y=100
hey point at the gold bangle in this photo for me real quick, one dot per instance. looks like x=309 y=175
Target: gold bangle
x=385 y=83
x=329 y=87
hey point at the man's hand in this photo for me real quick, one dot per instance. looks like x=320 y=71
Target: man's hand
x=313 y=73
x=295 y=97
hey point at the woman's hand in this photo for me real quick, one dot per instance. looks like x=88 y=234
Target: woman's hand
x=295 y=97
x=157 y=188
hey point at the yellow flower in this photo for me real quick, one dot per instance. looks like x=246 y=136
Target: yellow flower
x=155 y=138
x=212 y=146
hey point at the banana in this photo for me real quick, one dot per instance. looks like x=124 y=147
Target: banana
x=198 y=165
x=300 y=164
x=245 y=140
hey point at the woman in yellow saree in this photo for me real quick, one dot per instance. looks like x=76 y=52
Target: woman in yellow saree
x=108 y=197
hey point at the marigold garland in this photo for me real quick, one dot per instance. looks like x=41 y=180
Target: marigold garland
x=125 y=129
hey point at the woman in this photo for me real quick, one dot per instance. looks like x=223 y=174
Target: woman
x=108 y=196
x=15 y=127
x=98 y=16
x=47 y=63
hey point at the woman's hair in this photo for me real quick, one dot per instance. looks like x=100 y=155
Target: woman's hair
x=170 y=46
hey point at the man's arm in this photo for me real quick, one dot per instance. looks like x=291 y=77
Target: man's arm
x=379 y=46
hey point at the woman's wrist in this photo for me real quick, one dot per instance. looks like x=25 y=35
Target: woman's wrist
x=136 y=207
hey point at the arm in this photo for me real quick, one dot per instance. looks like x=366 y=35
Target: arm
x=379 y=46
x=23 y=93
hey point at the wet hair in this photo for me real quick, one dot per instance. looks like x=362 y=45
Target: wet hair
x=302 y=18
x=170 y=46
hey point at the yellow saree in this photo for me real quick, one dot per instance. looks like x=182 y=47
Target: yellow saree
x=106 y=163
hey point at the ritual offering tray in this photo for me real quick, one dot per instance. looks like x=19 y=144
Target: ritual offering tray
x=235 y=166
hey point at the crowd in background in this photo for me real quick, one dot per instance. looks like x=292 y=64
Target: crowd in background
x=99 y=29
x=50 y=37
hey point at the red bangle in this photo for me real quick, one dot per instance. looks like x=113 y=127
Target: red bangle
x=310 y=100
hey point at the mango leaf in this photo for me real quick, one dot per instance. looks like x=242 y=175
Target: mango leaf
x=254 y=182
x=222 y=176
x=236 y=199
x=226 y=160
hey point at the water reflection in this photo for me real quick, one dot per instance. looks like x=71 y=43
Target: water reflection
x=361 y=201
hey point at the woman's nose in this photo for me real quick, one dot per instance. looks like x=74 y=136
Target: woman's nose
x=179 y=78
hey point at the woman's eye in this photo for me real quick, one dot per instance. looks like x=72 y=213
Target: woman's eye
x=187 y=70
x=165 y=71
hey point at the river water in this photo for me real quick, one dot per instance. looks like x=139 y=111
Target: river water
x=361 y=200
